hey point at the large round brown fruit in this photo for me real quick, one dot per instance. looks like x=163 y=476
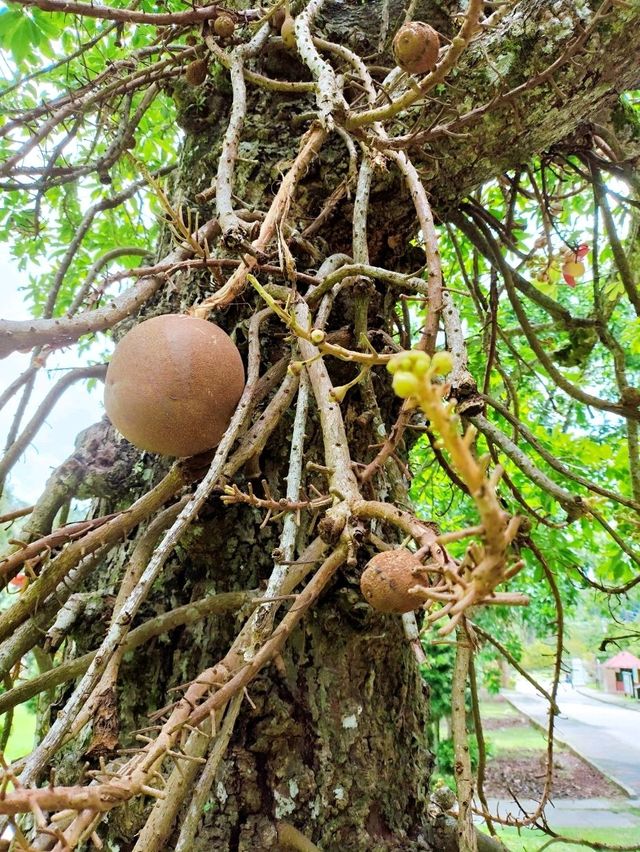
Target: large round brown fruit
x=173 y=384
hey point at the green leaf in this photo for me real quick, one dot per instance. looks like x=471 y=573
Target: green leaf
x=23 y=36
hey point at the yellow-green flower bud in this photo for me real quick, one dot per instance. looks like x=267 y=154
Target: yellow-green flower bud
x=317 y=336
x=421 y=362
x=405 y=384
x=442 y=363
x=393 y=364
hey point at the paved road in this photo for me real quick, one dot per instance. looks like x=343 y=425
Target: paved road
x=607 y=735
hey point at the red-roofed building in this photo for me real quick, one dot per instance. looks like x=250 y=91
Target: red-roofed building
x=621 y=674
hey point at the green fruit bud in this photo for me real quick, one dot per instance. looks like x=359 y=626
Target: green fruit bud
x=317 y=336
x=442 y=363
x=416 y=361
x=405 y=384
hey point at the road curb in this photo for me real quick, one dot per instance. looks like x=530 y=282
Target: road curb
x=628 y=791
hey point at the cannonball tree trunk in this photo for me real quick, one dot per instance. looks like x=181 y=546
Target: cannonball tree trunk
x=329 y=737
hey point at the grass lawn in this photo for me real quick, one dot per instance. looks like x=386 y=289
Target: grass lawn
x=492 y=709
x=520 y=738
x=524 y=737
x=22 y=733
x=530 y=841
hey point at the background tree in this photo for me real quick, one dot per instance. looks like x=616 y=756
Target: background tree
x=214 y=676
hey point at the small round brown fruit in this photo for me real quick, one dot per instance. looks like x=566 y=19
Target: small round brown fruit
x=277 y=19
x=196 y=72
x=387 y=578
x=173 y=384
x=224 y=26
x=415 y=47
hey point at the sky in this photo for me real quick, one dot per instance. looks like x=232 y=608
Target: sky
x=75 y=410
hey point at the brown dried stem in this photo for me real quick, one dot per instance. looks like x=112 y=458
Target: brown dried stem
x=467 y=841
x=131 y=16
x=10 y=565
x=310 y=145
x=109 y=534
x=185 y=615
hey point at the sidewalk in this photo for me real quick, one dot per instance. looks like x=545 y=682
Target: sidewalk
x=608 y=698
x=583 y=813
